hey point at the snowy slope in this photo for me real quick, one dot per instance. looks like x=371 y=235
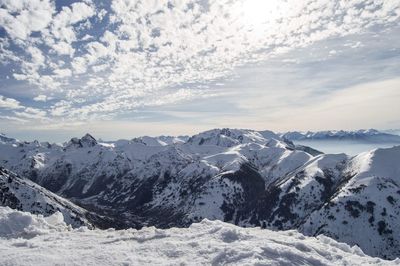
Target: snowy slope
x=366 y=209
x=48 y=241
x=244 y=177
x=23 y=194
x=161 y=140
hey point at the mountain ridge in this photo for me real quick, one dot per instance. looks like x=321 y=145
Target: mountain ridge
x=243 y=177
x=24 y=195
x=371 y=135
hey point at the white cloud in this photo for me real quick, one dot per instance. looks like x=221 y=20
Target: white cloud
x=41 y=98
x=102 y=14
x=62 y=23
x=95 y=51
x=62 y=73
x=21 y=18
x=152 y=49
x=37 y=57
x=63 y=48
x=9 y=103
x=32 y=113
x=373 y=104
x=99 y=68
x=81 y=11
x=13 y=119
x=79 y=65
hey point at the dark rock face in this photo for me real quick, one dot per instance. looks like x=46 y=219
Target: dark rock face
x=88 y=141
x=84 y=142
x=309 y=150
x=359 y=215
x=7 y=198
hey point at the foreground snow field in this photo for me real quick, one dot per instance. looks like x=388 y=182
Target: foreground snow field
x=27 y=239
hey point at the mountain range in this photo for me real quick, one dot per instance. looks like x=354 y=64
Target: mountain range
x=245 y=177
x=368 y=135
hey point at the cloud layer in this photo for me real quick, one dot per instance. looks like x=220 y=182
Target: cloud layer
x=96 y=60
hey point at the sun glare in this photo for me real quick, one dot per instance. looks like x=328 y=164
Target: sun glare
x=260 y=14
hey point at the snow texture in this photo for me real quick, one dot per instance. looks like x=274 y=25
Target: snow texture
x=26 y=239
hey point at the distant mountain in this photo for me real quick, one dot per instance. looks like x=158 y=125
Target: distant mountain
x=161 y=140
x=370 y=135
x=244 y=177
x=392 y=131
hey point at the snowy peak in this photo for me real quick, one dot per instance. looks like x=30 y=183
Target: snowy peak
x=226 y=137
x=4 y=139
x=86 y=141
x=161 y=140
x=378 y=163
x=169 y=140
x=267 y=134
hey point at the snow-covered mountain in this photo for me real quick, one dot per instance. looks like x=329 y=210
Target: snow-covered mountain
x=243 y=177
x=26 y=239
x=370 y=135
x=24 y=195
x=365 y=210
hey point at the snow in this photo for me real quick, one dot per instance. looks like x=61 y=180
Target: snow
x=381 y=162
x=15 y=224
x=25 y=195
x=200 y=177
x=365 y=211
x=27 y=239
x=231 y=160
x=161 y=140
x=328 y=161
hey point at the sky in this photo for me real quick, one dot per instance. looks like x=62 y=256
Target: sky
x=121 y=68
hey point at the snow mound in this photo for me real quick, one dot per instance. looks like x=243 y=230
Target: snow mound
x=204 y=243
x=14 y=224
